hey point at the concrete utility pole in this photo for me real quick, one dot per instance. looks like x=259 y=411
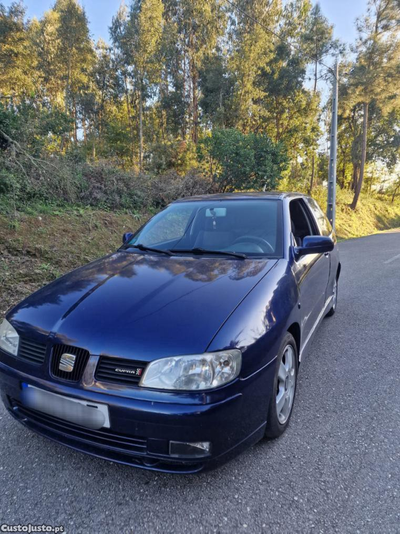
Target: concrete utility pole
x=331 y=208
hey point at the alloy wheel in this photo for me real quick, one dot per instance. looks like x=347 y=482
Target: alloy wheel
x=286 y=385
x=334 y=295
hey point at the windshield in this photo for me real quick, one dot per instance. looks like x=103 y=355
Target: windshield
x=250 y=227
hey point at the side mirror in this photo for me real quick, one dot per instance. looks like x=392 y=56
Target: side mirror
x=314 y=244
x=126 y=237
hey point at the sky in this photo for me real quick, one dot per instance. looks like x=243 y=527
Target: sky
x=342 y=13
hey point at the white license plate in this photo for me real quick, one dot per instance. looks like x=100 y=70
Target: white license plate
x=87 y=414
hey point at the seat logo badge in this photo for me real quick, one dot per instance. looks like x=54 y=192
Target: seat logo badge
x=67 y=363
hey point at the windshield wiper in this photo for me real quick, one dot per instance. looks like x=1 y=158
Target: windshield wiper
x=198 y=250
x=147 y=249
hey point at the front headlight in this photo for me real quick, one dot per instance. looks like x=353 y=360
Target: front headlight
x=9 y=339
x=196 y=372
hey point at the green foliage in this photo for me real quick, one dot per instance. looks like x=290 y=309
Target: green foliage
x=35 y=126
x=239 y=161
x=17 y=54
x=374 y=76
x=105 y=124
x=318 y=41
x=217 y=89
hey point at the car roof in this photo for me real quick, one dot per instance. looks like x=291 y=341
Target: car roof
x=243 y=195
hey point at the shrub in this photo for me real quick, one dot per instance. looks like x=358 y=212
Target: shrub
x=240 y=161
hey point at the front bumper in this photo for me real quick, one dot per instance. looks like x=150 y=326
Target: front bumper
x=142 y=429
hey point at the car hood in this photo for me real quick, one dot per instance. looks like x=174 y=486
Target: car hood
x=140 y=306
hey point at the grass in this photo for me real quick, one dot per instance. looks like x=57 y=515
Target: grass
x=44 y=242
x=373 y=214
x=37 y=248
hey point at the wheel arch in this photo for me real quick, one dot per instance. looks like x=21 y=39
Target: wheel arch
x=294 y=329
x=338 y=271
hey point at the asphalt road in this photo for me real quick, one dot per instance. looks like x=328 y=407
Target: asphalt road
x=337 y=468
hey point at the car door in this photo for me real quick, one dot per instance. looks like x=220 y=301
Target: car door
x=311 y=271
x=326 y=229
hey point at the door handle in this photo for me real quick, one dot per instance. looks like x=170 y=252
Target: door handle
x=326 y=254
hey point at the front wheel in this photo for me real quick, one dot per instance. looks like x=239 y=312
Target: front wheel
x=284 y=389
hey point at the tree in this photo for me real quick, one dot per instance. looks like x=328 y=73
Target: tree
x=318 y=43
x=139 y=39
x=124 y=84
x=288 y=111
x=395 y=190
x=376 y=72
x=253 y=47
x=51 y=85
x=17 y=54
x=75 y=53
x=102 y=96
x=217 y=87
x=240 y=161
x=384 y=136
x=174 y=96
x=201 y=23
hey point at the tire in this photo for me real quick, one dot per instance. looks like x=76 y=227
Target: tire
x=284 y=386
x=332 y=311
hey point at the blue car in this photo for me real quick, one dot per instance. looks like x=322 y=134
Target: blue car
x=181 y=349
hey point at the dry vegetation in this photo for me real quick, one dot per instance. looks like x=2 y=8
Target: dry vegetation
x=37 y=247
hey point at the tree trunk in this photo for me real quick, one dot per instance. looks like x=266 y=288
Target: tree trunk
x=354 y=178
x=343 y=180
x=67 y=95
x=128 y=111
x=363 y=156
x=84 y=130
x=315 y=75
x=75 y=123
x=221 y=108
x=313 y=156
x=312 y=174
x=140 y=129
x=395 y=193
x=194 y=78
x=195 y=107
x=185 y=115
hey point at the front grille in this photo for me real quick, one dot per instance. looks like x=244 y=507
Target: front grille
x=119 y=370
x=82 y=357
x=102 y=438
x=31 y=351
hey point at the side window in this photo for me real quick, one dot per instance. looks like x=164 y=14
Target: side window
x=302 y=224
x=322 y=221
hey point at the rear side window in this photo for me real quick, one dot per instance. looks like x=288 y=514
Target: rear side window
x=322 y=221
x=302 y=222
